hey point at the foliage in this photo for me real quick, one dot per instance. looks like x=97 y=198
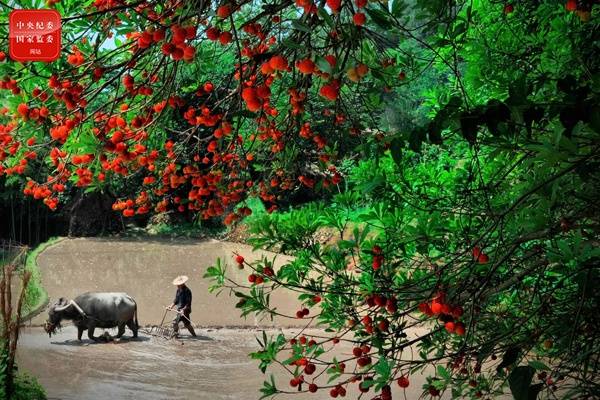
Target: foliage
x=10 y=322
x=26 y=388
x=432 y=226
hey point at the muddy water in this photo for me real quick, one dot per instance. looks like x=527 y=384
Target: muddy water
x=213 y=366
x=145 y=269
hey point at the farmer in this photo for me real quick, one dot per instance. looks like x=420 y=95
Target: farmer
x=183 y=302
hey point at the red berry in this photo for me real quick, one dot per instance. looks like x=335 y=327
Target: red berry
x=483 y=258
x=433 y=391
x=459 y=329
x=239 y=259
x=457 y=312
x=403 y=382
x=436 y=307
x=380 y=300
x=208 y=87
x=310 y=369
x=377 y=261
x=508 y=8
x=334 y=5
x=223 y=11
x=425 y=309
x=371 y=301
x=359 y=19
x=312 y=388
x=23 y=109
x=330 y=91
x=383 y=325
x=357 y=352
x=450 y=326
x=571 y=5
x=251 y=278
x=364 y=361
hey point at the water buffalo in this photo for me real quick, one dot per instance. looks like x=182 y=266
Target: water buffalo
x=95 y=310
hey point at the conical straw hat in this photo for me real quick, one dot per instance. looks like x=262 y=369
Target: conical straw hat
x=180 y=280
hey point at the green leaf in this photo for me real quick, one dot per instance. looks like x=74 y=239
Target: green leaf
x=519 y=381
x=538 y=365
x=269 y=389
x=291 y=44
x=383 y=369
x=380 y=18
x=398 y=7
x=326 y=17
x=300 y=26
x=396 y=150
x=323 y=65
x=469 y=123
x=443 y=372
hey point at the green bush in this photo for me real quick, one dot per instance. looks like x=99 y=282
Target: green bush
x=27 y=388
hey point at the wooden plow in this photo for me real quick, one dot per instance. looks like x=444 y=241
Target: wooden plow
x=164 y=331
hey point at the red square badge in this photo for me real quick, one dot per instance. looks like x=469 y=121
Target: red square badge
x=34 y=35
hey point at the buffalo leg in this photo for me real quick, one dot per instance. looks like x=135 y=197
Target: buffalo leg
x=121 y=331
x=80 y=330
x=91 y=329
x=134 y=328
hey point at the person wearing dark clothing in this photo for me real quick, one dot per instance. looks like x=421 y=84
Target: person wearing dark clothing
x=183 y=304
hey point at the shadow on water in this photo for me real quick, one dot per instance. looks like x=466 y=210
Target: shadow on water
x=88 y=342
x=125 y=339
x=194 y=339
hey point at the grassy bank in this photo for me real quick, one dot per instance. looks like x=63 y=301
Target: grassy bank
x=35 y=295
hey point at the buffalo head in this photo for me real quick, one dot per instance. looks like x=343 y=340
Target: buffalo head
x=55 y=315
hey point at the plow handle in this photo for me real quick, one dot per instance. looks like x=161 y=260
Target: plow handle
x=164 y=316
